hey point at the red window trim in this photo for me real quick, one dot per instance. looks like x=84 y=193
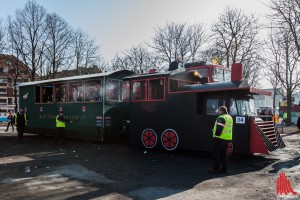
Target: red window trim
x=147 y=90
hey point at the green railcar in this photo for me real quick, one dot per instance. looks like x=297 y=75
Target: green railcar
x=97 y=104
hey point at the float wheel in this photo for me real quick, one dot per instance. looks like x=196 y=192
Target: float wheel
x=169 y=139
x=149 y=138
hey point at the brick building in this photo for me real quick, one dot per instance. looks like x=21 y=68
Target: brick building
x=9 y=67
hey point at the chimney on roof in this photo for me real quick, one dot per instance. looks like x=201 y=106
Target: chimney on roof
x=236 y=72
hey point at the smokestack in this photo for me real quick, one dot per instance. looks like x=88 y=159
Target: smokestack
x=236 y=72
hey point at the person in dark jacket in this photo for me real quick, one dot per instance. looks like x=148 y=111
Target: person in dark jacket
x=10 y=121
x=174 y=65
x=222 y=135
x=298 y=123
x=60 y=128
x=21 y=120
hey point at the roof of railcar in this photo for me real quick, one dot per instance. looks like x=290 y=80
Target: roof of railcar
x=159 y=73
x=226 y=86
x=71 y=78
x=187 y=67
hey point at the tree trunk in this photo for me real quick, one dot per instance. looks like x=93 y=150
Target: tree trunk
x=289 y=106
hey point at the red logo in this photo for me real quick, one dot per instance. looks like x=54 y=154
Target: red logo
x=284 y=185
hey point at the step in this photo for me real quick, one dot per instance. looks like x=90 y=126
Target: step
x=267 y=132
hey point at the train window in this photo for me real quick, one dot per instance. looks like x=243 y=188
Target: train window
x=61 y=92
x=218 y=75
x=139 y=90
x=38 y=94
x=212 y=106
x=227 y=75
x=178 y=85
x=156 y=89
x=125 y=91
x=203 y=72
x=112 y=90
x=242 y=107
x=93 y=90
x=47 y=93
x=75 y=92
x=233 y=107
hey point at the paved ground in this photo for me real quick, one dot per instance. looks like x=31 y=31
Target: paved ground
x=37 y=169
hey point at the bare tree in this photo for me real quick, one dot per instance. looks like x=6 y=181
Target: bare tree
x=120 y=62
x=137 y=59
x=84 y=51
x=178 y=40
x=59 y=38
x=286 y=16
x=235 y=37
x=2 y=37
x=284 y=63
x=27 y=32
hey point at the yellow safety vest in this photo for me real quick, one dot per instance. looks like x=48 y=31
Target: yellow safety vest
x=60 y=123
x=285 y=115
x=227 y=129
x=16 y=116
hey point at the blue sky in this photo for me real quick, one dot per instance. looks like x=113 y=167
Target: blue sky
x=118 y=24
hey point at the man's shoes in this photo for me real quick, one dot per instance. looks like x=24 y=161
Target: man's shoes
x=5 y=130
x=212 y=171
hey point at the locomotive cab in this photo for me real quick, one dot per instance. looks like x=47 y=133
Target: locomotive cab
x=180 y=111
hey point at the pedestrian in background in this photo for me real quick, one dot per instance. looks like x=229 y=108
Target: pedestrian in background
x=10 y=121
x=284 y=118
x=60 y=128
x=21 y=120
x=222 y=135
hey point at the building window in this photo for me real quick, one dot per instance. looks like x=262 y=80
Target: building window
x=3 y=90
x=3 y=80
x=5 y=69
x=10 y=101
x=3 y=101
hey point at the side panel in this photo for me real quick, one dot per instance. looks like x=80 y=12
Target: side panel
x=42 y=116
x=180 y=114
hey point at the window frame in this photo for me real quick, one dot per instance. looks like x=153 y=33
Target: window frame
x=119 y=98
x=86 y=98
x=147 y=89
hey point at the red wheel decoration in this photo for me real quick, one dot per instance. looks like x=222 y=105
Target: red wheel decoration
x=169 y=139
x=149 y=138
x=229 y=148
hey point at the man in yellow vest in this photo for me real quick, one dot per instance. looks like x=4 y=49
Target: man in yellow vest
x=60 y=126
x=222 y=134
x=284 y=118
x=21 y=120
